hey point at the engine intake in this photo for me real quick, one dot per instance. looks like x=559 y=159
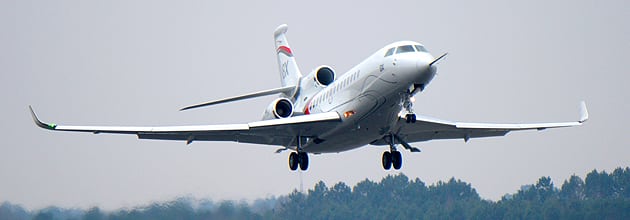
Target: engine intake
x=324 y=76
x=279 y=108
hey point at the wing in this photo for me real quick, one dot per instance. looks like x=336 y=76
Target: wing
x=427 y=128
x=281 y=132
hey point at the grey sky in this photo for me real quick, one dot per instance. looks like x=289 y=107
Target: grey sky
x=138 y=62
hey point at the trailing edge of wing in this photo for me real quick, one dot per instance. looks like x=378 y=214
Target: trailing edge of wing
x=286 y=90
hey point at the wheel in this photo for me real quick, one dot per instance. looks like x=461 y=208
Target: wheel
x=293 y=161
x=387 y=160
x=396 y=159
x=410 y=118
x=303 y=161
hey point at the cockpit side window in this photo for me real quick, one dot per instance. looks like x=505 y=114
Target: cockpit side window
x=390 y=52
x=405 y=49
x=421 y=48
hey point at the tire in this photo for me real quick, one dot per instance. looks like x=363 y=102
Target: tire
x=293 y=161
x=387 y=160
x=397 y=160
x=303 y=161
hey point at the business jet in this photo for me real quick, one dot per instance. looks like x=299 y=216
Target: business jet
x=321 y=112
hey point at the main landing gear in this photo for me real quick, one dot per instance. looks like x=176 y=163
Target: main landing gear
x=298 y=158
x=393 y=157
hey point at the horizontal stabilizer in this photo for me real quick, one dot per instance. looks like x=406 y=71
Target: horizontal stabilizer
x=286 y=90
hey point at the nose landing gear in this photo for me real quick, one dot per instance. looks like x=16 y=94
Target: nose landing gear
x=410 y=118
x=407 y=104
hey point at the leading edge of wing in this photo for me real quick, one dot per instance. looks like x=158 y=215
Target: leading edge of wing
x=425 y=123
x=539 y=126
x=135 y=129
x=321 y=117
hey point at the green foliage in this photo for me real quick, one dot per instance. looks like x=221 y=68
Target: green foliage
x=600 y=196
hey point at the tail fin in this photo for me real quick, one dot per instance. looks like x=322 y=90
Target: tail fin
x=289 y=72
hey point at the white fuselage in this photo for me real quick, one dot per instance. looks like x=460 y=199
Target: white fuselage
x=369 y=98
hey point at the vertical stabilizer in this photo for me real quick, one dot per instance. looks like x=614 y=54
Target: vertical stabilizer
x=289 y=72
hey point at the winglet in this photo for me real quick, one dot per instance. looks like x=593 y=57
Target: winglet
x=583 y=112
x=40 y=123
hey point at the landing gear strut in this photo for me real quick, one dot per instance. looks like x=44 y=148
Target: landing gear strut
x=407 y=104
x=298 y=158
x=393 y=157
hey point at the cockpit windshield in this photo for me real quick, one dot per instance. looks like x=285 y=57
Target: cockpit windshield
x=405 y=49
x=421 y=48
x=390 y=52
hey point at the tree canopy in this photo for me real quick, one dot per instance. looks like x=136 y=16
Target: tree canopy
x=600 y=195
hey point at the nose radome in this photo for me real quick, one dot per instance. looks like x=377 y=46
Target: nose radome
x=422 y=65
x=424 y=71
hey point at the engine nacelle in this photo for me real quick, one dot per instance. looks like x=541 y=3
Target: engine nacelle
x=315 y=81
x=279 y=108
x=322 y=76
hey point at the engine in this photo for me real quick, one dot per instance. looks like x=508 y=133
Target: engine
x=316 y=80
x=279 y=108
x=323 y=76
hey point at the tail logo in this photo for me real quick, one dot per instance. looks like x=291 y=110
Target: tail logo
x=285 y=69
x=285 y=50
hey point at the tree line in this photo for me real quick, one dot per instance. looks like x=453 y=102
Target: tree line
x=600 y=195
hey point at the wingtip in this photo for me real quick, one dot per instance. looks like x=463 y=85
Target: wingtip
x=583 y=112
x=40 y=123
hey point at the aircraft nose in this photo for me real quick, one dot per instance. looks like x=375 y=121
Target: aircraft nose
x=422 y=65
x=424 y=71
